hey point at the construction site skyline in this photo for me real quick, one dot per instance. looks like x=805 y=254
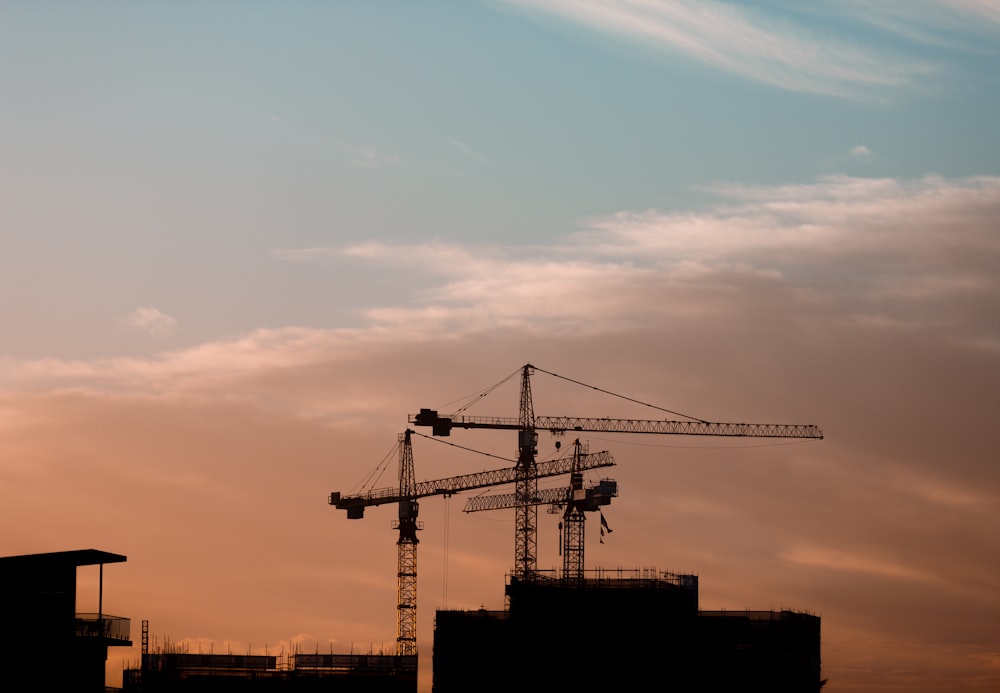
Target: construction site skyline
x=242 y=244
x=447 y=530
x=572 y=493
x=571 y=500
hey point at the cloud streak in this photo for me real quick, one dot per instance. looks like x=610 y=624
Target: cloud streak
x=935 y=22
x=883 y=254
x=748 y=43
x=828 y=559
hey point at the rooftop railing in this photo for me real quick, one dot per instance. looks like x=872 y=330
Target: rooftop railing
x=115 y=628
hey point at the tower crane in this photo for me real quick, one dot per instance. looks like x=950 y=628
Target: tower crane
x=527 y=425
x=406 y=495
x=573 y=501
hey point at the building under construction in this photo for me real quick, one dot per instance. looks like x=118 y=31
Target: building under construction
x=176 y=670
x=618 y=631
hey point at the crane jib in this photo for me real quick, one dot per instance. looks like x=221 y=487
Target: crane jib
x=466 y=482
x=441 y=426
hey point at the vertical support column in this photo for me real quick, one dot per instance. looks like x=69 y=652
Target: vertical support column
x=406 y=614
x=406 y=573
x=573 y=538
x=526 y=484
x=100 y=599
x=574 y=519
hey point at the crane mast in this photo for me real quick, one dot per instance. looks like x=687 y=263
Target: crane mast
x=572 y=501
x=406 y=554
x=526 y=487
x=580 y=500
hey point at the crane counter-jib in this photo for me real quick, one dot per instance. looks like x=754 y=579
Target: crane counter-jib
x=442 y=426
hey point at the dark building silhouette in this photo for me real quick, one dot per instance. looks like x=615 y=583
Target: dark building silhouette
x=620 y=631
x=45 y=638
x=175 y=670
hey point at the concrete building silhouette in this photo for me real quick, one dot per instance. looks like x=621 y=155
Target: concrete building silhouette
x=46 y=639
x=622 y=630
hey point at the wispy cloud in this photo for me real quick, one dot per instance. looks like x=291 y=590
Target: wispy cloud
x=431 y=256
x=152 y=321
x=319 y=254
x=832 y=559
x=920 y=255
x=936 y=22
x=467 y=150
x=837 y=214
x=894 y=255
x=372 y=158
x=750 y=43
x=861 y=152
x=974 y=9
x=945 y=494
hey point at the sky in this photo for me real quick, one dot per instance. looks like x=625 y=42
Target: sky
x=242 y=242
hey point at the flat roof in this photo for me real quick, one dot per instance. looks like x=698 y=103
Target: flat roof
x=75 y=558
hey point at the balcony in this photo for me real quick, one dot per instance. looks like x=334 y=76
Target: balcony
x=114 y=630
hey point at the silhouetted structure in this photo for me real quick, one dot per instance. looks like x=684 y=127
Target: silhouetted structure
x=44 y=637
x=620 y=631
x=179 y=671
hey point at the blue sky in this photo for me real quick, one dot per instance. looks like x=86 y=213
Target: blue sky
x=233 y=233
x=168 y=156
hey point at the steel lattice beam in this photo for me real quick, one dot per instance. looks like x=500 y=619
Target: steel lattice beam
x=468 y=482
x=562 y=424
